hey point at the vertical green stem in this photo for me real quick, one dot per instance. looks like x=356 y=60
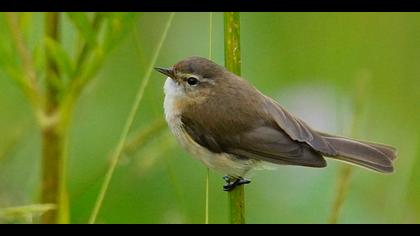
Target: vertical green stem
x=53 y=138
x=233 y=63
x=343 y=185
x=232 y=42
x=52 y=22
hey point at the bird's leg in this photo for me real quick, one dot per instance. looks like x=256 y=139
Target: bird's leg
x=232 y=182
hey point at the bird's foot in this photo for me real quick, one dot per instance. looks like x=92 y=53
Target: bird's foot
x=232 y=182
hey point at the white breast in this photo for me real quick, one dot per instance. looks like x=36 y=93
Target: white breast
x=224 y=163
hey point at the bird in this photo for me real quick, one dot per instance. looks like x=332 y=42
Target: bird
x=233 y=128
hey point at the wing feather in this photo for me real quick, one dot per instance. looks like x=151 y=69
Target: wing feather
x=262 y=143
x=297 y=129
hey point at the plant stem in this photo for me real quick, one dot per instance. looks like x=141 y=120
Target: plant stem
x=127 y=126
x=54 y=189
x=342 y=189
x=232 y=42
x=233 y=64
x=237 y=205
x=52 y=31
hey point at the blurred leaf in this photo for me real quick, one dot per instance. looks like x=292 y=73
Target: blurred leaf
x=92 y=65
x=22 y=211
x=10 y=68
x=13 y=139
x=142 y=136
x=60 y=56
x=26 y=23
x=8 y=58
x=118 y=25
x=82 y=23
x=38 y=55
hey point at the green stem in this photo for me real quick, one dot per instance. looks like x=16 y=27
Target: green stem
x=342 y=189
x=127 y=126
x=54 y=189
x=52 y=22
x=233 y=64
x=232 y=42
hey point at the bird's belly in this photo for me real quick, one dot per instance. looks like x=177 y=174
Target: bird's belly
x=221 y=162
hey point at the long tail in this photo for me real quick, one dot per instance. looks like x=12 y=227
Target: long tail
x=374 y=156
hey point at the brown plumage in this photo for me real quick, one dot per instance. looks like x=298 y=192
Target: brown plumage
x=226 y=115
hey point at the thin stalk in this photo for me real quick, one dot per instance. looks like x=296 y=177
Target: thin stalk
x=133 y=145
x=343 y=186
x=233 y=63
x=346 y=171
x=206 y=218
x=54 y=189
x=127 y=126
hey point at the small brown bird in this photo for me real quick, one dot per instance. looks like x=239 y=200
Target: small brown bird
x=233 y=128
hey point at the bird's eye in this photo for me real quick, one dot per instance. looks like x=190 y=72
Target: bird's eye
x=192 y=81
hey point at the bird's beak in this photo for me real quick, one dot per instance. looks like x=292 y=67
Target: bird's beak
x=166 y=71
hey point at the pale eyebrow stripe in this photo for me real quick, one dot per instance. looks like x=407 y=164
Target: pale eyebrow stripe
x=186 y=75
x=210 y=81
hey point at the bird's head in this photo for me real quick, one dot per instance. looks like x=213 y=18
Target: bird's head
x=193 y=77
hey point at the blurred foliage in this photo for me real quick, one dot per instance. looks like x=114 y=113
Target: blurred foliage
x=309 y=62
x=24 y=214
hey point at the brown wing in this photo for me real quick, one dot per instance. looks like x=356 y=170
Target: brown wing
x=272 y=145
x=297 y=129
x=262 y=143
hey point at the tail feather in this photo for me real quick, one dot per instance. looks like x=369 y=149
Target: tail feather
x=374 y=156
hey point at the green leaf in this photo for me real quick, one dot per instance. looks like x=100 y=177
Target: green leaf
x=83 y=24
x=38 y=56
x=92 y=65
x=8 y=62
x=25 y=22
x=60 y=56
x=23 y=211
x=118 y=26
